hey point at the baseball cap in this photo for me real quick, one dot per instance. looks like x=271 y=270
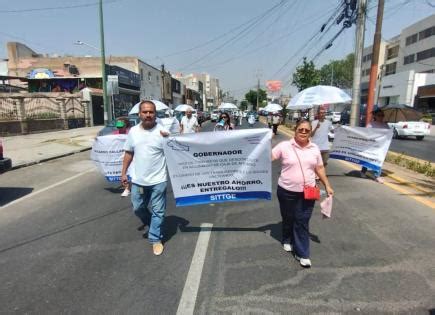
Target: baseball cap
x=120 y=124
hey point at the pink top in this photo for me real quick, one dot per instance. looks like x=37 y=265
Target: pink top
x=291 y=176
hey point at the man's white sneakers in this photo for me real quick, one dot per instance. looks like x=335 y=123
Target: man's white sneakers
x=304 y=262
x=125 y=193
x=287 y=247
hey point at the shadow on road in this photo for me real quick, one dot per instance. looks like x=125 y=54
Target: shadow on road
x=274 y=228
x=115 y=190
x=9 y=194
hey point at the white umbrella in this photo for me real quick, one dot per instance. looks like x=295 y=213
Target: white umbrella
x=318 y=95
x=159 y=106
x=227 y=106
x=183 y=108
x=271 y=107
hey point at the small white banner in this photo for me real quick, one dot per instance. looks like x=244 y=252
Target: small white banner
x=212 y=167
x=108 y=154
x=364 y=146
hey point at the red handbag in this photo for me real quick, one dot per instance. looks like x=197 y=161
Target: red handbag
x=310 y=193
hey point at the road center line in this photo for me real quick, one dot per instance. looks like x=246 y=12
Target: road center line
x=45 y=189
x=191 y=286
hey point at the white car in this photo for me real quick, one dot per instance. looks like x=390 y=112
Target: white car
x=403 y=129
x=214 y=116
x=335 y=117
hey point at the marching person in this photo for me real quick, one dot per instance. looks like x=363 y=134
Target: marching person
x=276 y=120
x=224 y=123
x=188 y=123
x=319 y=136
x=301 y=162
x=122 y=127
x=269 y=120
x=378 y=122
x=144 y=147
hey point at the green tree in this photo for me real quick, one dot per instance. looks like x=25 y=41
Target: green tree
x=338 y=73
x=244 y=105
x=306 y=75
x=251 y=97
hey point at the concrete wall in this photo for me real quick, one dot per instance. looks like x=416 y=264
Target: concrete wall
x=150 y=82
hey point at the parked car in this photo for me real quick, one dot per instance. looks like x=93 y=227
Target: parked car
x=253 y=113
x=214 y=116
x=110 y=127
x=335 y=117
x=403 y=129
x=5 y=163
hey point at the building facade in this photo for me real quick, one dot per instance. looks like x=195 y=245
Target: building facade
x=210 y=91
x=406 y=71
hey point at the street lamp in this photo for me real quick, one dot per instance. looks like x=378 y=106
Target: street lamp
x=80 y=43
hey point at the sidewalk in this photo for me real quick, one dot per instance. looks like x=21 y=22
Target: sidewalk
x=413 y=184
x=35 y=148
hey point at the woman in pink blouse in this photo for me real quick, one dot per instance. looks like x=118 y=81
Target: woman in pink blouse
x=295 y=209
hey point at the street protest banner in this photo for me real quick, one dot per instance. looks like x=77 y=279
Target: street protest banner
x=108 y=153
x=364 y=146
x=212 y=167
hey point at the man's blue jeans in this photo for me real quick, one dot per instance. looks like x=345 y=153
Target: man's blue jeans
x=141 y=196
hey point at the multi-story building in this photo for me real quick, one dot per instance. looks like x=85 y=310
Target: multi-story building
x=136 y=79
x=406 y=68
x=210 y=92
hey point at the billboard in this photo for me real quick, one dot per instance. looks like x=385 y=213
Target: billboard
x=273 y=85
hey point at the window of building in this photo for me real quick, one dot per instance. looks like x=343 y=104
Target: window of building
x=392 y=52
x=149 y=76
x=141 y=74
x=426 y=33
x=157 y=78
x=411 y=39
x=390 y=68
x=426 y=54
x=409 y=59
x=367 y=57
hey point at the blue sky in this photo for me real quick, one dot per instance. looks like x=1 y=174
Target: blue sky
x=161 y=31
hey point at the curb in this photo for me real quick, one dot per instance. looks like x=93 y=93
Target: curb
x=396 y=154
x=15 y=167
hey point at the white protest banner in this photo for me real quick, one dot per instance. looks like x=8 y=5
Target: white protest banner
x=108 y=153
x=211 y=167
x=364 y=146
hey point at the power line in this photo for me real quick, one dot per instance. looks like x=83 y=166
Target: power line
x=56 y=8
x=214 y=39
x=256 y=49
x=244 y=30
x=324 y=25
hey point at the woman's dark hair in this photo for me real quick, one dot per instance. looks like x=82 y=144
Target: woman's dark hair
x=228 y=122
x=302 y=121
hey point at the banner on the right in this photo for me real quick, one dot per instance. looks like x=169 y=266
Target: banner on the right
x=364 y=146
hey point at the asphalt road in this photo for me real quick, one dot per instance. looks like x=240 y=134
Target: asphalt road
x=424 y=149
x=73 y=248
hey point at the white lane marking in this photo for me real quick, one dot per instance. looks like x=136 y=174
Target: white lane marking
x=45 y=189
x=191 y=286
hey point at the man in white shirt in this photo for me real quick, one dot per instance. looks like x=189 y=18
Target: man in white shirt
x=319 y=135
x=188 y=123
x=144 y=147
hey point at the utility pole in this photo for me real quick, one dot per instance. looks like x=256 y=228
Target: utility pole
x=258 y=89
x=332 y=73
x=359 y=46
x=374 y=65
x=107 y=111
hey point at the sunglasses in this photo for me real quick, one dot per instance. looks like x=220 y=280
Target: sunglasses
x=303 y=130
